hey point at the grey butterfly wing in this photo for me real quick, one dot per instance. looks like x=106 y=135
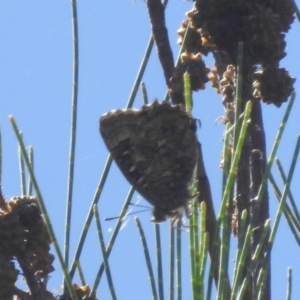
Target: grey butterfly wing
x=118 y=132
x=155 y=148
x=166 y=153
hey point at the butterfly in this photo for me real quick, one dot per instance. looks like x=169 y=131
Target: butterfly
x=156 y=150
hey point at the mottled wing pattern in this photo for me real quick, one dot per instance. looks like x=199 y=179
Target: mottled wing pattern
x=117 y=129
x=156 y=149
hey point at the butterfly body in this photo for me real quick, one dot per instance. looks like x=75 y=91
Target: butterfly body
x=156 y=150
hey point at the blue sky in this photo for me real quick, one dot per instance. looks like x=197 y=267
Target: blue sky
x=36 y=87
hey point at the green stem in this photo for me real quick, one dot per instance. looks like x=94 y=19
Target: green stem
x=196 y=249
x=187 y=92
x=31 y=159
x=228 y=189
x=289 y=287
x=254 y=260
x=203 y=247
x=261 y=191
x=297 y=12
x=280 y=209
x=43 y=210
x=113 y=238
x=260 y=196
x=22 y=170
x=80 y=273
x=140 y=74
x=225 y=245
x=226 y=157
x=292 y=200
x=172 y=261
x=104 y=254
x=147 y=257
x=159 y=262
x=238 y=99
x=240 y=243
x=144 y=92
x=235 y=160
x=73 y=131
x=290 y=217
x=178 y=262
x=90 y=215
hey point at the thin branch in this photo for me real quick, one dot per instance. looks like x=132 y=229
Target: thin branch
x=156 y=10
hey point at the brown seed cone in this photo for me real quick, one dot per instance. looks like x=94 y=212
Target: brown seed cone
x=36 y=237
x=273 y=85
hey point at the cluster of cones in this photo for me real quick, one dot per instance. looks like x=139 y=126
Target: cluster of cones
x=24 y=238
x=25 y=250
x=218 y=26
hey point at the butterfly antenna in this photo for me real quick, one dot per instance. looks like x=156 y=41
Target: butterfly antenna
x=113 y=218
x=139 y=205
